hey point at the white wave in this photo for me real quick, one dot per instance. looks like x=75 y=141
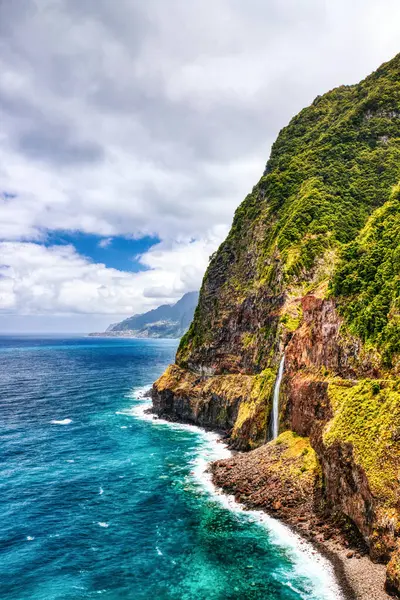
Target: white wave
x=159 y=551
x=101 y=491
x=306 y=561
x=103 y=524
x=217 y=449
x=61 y=422
x=30 y=538
x=139 y=392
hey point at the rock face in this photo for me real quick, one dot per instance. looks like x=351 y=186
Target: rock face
x=235 y=403
x=283 y=477
x=279 y=476
x=311 y=268
x=393 y=574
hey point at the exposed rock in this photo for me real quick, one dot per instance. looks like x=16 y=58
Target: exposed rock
x=275 y=476
x=310 y=268
x=393 y=575
x=235 y=403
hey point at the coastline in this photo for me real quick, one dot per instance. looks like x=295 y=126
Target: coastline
x=357 y=576
x=129 y=335
x=318 y=559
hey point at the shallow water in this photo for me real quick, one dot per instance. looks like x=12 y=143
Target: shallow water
x=99 y=499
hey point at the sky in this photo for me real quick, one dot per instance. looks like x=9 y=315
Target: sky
x=130 y=131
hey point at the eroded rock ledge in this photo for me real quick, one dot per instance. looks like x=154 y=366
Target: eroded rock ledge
x=284 y=478
x=236 y=404
x=333 y=396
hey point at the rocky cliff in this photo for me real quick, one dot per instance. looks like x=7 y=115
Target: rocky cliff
x=311 y=269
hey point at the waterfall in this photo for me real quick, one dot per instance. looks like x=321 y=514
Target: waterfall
x=275 y=403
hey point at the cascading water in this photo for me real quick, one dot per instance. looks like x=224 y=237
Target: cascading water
x=275 y=403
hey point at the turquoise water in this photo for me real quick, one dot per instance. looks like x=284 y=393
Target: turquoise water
x=98 y=500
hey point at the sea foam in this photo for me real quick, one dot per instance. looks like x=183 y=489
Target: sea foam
x=306 y=561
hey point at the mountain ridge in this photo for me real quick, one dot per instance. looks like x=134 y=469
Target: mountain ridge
x=165 y=321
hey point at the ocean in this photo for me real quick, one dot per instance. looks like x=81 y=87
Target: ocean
x=100 y=500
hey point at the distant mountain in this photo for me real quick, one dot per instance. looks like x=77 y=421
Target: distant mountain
x=166 y=321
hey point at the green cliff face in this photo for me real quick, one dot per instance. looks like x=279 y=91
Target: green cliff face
x=367 y=281
x=311 y=267
x=329 y=170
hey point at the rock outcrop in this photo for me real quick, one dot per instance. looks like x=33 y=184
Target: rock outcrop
x=310 y=268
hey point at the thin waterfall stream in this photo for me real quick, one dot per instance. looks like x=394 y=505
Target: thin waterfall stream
x=275 y=403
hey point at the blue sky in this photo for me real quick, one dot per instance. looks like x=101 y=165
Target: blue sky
x=132 y=130
x=122 y=253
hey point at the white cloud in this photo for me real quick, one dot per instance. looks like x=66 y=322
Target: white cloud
x=131 y=125
x=37 y=280
x=105 y=242
x=153 y=118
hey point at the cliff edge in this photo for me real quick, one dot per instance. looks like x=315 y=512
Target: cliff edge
x=311 y=270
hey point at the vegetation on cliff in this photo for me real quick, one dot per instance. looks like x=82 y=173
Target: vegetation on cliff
x=333 y=166
x=367 y=415
x=235 y=402
x=311 y=267
x=367 y=282
x=279 y=475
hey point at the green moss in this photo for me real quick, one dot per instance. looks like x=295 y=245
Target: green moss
x=253 y=392
x=368 y=417
x=248 y=339
x=254 y=410
x=332 y=167
x=291 y=320
x=367 y=282
x=298 y=458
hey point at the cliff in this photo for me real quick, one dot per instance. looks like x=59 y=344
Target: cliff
x=311 y=269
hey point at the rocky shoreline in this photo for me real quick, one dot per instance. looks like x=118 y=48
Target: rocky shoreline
x=295 y=284
x=279 y=479
x=255 y=481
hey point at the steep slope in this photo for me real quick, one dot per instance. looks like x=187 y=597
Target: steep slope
x=367 y=282
x=311 y=268
x=166 y=321
x=329 y=169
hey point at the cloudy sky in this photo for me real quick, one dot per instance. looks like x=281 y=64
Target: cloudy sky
x=130 y=131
